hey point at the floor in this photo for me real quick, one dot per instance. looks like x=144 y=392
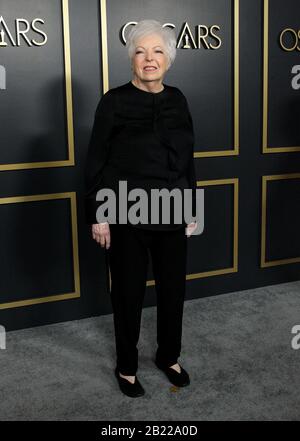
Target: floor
x=236 y=348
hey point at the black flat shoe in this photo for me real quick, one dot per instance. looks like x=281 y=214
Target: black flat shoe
x=178 y=379
x=130 y=389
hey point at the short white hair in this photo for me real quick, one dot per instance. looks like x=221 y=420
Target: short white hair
x=148 y=27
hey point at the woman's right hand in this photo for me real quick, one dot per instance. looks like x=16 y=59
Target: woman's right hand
x=101 y=234
x=190 y=228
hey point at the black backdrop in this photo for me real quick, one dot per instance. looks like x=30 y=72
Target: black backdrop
x=246 y=150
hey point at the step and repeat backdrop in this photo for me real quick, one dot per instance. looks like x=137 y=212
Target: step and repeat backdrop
x=238 y=63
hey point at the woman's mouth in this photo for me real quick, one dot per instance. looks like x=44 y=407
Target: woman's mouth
x=150 y=68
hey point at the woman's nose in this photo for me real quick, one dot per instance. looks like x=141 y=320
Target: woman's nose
x=148 y=57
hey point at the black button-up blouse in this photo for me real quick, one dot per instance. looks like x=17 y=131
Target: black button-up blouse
x=142 y=137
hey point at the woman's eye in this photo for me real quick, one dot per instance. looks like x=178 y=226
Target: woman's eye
x=140 y=52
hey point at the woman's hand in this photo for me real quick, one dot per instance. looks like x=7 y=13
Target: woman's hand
x=101 y=234
x=190 y=228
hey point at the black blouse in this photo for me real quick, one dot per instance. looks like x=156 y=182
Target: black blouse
x=142 y=137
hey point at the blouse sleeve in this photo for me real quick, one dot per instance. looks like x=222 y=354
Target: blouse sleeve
x=97 y=155
x=191 y=173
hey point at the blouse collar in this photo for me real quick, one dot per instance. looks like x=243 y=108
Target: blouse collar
x=145 y=91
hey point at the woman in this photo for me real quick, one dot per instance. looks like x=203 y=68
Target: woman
x=143 y=134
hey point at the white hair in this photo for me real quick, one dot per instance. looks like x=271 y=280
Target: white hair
x=148 y=27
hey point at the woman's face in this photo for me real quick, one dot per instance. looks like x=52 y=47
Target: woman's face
x=150 y=60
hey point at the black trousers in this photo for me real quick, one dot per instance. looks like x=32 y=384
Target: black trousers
x=128 y=262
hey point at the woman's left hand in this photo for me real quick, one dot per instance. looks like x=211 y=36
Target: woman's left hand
x=190 y=228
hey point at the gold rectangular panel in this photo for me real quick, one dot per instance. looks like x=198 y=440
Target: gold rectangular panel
x=265 y=180
x=199 y=154
x=265 y=148
x=234 y=267
x=69 y=105
x=64 y=296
